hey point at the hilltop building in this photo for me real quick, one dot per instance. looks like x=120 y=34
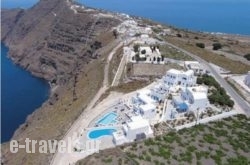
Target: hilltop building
x=195 y=66
x=175 y=77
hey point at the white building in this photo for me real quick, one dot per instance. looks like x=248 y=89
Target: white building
x=179 y=103
x=137 y=129
x=144 y=96
x=247 y=79
x=150 y=53
x=143 y=104
x=196 y=97
x=175 y=77
x=148 y=111
x=119 y=137
x=195 y=66
x=160 y=92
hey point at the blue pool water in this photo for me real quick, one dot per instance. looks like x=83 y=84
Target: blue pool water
x=110 y=118
x=95 y=134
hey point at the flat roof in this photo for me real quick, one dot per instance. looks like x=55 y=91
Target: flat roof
x=178 y=99
x=199 y=95
x=147 y=107
x=199 y=88
x=189 y=72
x=137 y=122
x=145 y=98
x=173 y=71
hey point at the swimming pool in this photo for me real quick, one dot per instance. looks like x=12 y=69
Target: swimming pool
x=110 y=118
x=95 y=134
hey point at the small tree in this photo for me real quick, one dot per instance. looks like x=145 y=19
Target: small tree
x=143 y=51
x=137 y=57
x=179 y=35
x=247 y=56
x=217 y=46
x=158 y=59
x=136 y=48
x=200 y=45
x=115 y=33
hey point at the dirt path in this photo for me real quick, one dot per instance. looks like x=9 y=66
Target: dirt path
x=85 y=117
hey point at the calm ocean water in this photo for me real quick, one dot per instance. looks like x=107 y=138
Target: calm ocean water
x=227 y=16
x=22 y=93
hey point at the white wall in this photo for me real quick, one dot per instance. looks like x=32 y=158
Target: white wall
x=150 y=114
x=172 y=79
x=200 y=104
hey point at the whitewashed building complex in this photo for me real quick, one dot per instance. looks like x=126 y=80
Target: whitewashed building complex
x=144 y=104
x=175 y=77
x=186 y=96
x=195 y=66
x=196 y=97
x=134 y=130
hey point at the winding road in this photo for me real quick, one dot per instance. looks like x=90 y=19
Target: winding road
x=236 y=97
x=85 y=118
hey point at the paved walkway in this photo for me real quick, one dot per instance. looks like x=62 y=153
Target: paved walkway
x=208 y=119
x=121 y=67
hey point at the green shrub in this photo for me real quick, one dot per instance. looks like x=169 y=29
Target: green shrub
x=179 y=35
x=136 y=48
x=200 y=45
x=240 y=160
x=247 y=56
x=217 y=46
x=209 y=138
x=148 y=158
x=143 y=51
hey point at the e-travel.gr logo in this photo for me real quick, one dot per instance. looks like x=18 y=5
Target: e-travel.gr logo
x=72 y=144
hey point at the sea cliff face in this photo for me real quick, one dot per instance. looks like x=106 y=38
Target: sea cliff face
x=63 y=43
x=53 y=38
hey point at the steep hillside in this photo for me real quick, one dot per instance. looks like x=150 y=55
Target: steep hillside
x=53 y=38
x=65 y=44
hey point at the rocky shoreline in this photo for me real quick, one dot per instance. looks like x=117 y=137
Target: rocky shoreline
x=58 y=41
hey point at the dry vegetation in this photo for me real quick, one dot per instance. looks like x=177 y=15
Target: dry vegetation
x=151 y=69
x=233 y=66
x=169 y=52
x=221 y=142
x=54 y=118
x=114 y=64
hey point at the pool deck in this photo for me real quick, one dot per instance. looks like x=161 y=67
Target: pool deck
x=87 y=121
x=88 y=118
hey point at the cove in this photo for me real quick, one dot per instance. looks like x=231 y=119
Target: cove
x=21 y=94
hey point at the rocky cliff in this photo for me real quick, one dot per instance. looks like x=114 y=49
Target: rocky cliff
x=53 y=38
x=65 y=44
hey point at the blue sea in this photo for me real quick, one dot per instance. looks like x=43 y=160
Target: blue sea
x=22 y=93
x=226 y=16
